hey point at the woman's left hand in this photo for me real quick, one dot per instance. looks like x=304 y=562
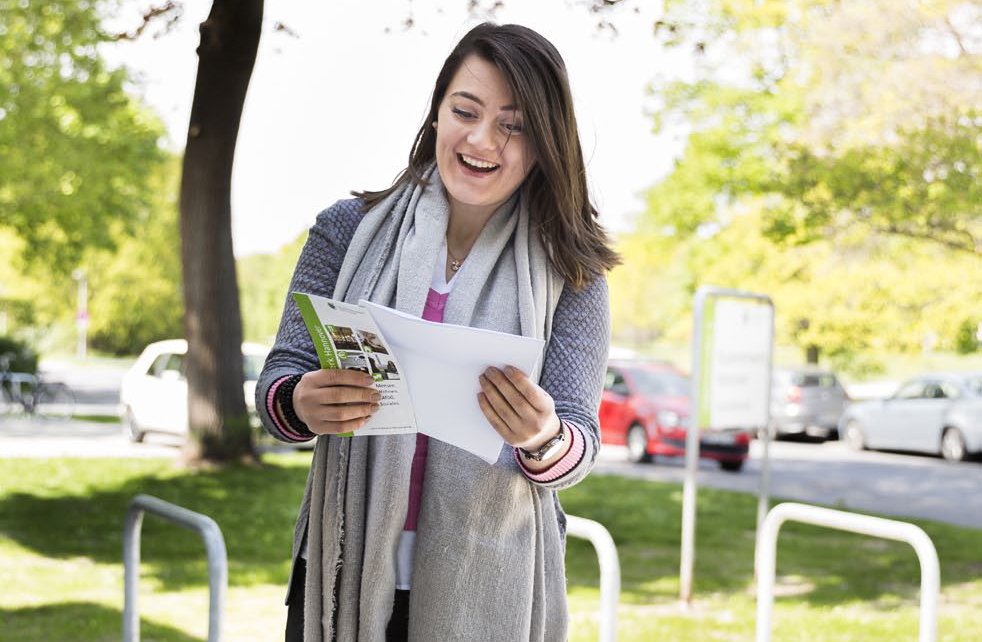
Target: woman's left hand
x=523 y=413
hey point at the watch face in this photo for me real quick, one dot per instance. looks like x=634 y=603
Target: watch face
x=548 y=449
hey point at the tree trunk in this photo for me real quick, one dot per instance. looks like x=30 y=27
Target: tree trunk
x=811 y=354
x=212 y=323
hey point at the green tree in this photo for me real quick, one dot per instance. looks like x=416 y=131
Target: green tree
x=136 y=289
x=75 y=150
x=828 y=143
x=264 y=280
x=845 y=114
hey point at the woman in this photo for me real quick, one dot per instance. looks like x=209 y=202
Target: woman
x=408 y=538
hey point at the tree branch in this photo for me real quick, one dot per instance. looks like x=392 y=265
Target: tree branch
x=170 y=10
x=968 y=243
x=956 y=35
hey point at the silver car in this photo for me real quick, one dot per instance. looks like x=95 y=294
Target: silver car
x=932 y=413
x=806 y=401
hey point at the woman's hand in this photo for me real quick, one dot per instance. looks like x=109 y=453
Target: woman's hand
x=523 y=413
x=335 y=401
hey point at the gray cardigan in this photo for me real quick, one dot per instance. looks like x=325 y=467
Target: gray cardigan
x=573 y=368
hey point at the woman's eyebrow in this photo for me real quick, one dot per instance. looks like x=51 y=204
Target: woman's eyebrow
x=470 y=96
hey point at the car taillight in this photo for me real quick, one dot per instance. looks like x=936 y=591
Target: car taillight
x=794 y=394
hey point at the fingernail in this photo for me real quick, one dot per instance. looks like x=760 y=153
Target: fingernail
x=509 y=370
x=375 y=407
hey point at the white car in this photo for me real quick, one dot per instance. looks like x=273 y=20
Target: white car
x=154 y=392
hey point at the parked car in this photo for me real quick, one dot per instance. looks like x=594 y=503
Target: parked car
x=646 y=407
x=931 y=413
x=806 y=401
x=154 y=391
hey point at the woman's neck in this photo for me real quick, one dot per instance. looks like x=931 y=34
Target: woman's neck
x=465 y=225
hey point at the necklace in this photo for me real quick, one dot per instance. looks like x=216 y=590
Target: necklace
x=454 y=261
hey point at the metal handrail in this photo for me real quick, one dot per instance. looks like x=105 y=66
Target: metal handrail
x=610 y=571
x=856 y=523
x=214 y=546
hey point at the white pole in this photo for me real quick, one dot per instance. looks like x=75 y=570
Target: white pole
x=763 y=499
x=82 y=312
x=856 y=523
x=688 y=552
x=610 y=571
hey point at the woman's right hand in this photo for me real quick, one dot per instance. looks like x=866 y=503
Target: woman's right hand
x=335 y=401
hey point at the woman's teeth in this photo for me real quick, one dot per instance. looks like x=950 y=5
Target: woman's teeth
x=477 y=164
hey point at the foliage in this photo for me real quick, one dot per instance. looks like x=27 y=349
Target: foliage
x=832 y=162
x=845 y=114
x=22 y=357
x=264 y=281
x=966 y=338
x=60 y=539
x=136 y=290
x=854 y=299
x=75 y=149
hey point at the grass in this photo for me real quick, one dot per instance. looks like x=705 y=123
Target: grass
x=98 y=419
x=61 y=572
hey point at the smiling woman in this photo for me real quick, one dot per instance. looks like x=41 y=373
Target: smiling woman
x=402 y=537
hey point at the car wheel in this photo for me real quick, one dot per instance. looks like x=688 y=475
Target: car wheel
x=732 y=466
x=952 y=445
x=637 y=445
x=854 y=435
x=133 y=430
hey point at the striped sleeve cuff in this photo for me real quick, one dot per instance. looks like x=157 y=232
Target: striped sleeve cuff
x=565 y=464
x=286 y=430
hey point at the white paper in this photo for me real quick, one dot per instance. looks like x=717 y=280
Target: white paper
x=441 y=363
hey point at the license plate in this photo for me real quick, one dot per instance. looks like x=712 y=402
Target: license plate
x=719 y=438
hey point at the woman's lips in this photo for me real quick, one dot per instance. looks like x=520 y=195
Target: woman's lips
x=471 y=170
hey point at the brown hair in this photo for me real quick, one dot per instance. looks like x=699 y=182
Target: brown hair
x=555 y=190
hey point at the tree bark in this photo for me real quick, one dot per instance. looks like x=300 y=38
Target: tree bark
x=216 y=405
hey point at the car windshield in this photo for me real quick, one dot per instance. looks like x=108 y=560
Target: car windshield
x=974 y=385
x=665 y=383
x=252 y=365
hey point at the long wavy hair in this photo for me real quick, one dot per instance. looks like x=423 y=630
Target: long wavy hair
x=555 y=189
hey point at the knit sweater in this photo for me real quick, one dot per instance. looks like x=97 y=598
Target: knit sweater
x=572 y=372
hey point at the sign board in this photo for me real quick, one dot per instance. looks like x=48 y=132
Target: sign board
x=734 y=373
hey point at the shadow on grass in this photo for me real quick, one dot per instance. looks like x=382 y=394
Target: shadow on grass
x=255 y=506
x=822 y=566
x=78 y=621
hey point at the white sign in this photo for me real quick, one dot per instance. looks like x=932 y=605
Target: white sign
x=737 y=336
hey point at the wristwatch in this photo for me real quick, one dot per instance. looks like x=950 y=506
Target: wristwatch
x=549 y=448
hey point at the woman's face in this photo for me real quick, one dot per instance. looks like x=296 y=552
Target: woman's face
x=481 y=152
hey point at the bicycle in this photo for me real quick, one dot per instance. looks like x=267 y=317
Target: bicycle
x=22 y=392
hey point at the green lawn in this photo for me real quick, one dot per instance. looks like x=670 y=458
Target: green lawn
x=61 y=572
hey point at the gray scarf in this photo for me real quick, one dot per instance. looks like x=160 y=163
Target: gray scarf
x=488 y=559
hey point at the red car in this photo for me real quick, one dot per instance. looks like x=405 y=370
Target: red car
x=645 y=406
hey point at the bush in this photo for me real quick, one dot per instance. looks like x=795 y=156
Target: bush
x=22 y=356
x=965 y=339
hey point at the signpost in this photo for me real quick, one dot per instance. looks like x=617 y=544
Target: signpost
x=733 y=338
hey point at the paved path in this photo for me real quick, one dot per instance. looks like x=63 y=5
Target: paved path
x=901 y=485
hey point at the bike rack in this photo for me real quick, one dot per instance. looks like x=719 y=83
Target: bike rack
x=856 y=523
x=610 y=571
x=214 y=546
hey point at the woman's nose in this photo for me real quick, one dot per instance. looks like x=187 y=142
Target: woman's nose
x=482 y=136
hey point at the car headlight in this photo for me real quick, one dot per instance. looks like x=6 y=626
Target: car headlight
x=668 y=418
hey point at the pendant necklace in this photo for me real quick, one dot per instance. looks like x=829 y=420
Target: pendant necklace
x=454 y=261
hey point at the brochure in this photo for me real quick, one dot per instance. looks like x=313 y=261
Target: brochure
x=426 y=372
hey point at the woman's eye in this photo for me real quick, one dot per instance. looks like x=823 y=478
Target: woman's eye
x=512 y=128
x=462 y=113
